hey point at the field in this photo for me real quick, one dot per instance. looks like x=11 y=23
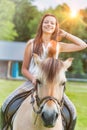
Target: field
x=76 y=91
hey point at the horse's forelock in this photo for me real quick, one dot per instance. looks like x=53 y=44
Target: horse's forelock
x=51 y=67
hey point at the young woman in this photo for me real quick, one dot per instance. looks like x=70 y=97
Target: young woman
x=45 y=44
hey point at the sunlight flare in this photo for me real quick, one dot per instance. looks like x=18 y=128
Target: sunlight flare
x=73 y=14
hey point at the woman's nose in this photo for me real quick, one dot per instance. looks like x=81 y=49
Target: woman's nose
x=49 y=24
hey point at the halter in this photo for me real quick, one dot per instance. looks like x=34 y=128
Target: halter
x=43 y=101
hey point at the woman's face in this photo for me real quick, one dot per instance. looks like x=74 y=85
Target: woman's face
x=49 y=24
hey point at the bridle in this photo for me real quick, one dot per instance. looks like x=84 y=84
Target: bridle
x=43 y=101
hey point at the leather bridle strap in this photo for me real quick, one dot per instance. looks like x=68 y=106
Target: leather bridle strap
x=33 y=99
x=44 y=100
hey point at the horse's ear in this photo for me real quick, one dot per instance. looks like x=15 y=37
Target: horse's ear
x=37 y=59
x=67 y=63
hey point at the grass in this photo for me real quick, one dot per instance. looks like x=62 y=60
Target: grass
x=76 y=91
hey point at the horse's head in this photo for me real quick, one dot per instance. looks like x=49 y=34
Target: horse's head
x=51 y=74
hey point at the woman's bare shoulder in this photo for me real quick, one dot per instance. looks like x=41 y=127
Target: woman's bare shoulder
x=30 y=42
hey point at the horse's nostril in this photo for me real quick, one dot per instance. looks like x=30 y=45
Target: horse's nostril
x=56 y=115
x=43 y=115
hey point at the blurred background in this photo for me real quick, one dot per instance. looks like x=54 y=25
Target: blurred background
x=19 y=22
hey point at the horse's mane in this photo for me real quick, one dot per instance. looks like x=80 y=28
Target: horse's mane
x=51 y=67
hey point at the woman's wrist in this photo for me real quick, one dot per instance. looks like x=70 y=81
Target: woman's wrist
x=65 y=35
x=33 y=81
x=75 y=40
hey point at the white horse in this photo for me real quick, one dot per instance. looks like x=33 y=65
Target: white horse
x=42 y=110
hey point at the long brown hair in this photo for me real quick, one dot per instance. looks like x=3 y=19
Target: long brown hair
x=38 y=39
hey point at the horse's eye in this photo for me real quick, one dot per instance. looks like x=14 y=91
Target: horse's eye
x=38 y=81
x=63 y=84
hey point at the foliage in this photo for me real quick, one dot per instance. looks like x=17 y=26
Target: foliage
x=78 y=66
x=25 y=19
x=7 y=10
x=83 y=13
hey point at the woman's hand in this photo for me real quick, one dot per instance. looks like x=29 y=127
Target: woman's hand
x=62 y=33
x=34 y=81
x=84 y=45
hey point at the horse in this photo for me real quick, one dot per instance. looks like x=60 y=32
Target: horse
x=42 y=109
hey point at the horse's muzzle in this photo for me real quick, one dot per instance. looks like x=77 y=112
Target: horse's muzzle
x=49 y=120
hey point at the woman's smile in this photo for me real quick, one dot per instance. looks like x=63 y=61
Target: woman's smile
x=49 y=24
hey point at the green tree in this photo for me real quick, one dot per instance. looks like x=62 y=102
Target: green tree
x=7 y=10
x=83 y=13
x=25 y=19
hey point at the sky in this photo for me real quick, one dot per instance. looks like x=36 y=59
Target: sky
x=73 y=4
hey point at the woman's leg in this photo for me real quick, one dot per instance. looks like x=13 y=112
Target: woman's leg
x=69 y=114
x=13 y=102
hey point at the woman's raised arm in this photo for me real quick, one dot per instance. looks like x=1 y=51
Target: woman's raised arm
x=76 y=43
